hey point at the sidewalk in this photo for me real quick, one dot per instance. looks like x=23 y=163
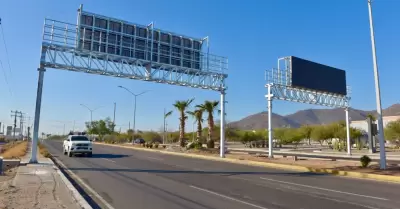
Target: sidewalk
x=37 y=186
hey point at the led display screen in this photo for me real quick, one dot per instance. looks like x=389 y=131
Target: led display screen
x=315 y=76
x=107 y=35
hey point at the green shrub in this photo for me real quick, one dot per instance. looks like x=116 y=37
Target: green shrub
x=210 y=143
x=338 y=146
x=196 y=145
x=164 y=146
x=150 y=146
x=156 y=145
x=144 y=144
x=359 y=144
x=365 y=160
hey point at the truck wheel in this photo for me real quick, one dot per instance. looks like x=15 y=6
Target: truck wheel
x=89 y=154
x=64 y=151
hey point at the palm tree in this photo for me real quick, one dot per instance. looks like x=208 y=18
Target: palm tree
x=198 y=116
x=166 y=115
x=181 y=106
x=372 y=117
x=209 y=107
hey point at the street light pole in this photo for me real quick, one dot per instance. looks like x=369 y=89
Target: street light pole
x=381 y=137
x=115 y=106
x=91 y=112
x=134 y=117
x=134 y=109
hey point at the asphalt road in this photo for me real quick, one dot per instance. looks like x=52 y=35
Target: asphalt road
x=134 y=179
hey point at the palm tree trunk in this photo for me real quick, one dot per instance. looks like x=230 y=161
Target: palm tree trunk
x=199 y=129
x=209 y=131
x=210 y=126
x=182 y=129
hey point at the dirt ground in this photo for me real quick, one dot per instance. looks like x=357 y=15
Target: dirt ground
x=5 y=181
x=7 y=175
x=15 y=150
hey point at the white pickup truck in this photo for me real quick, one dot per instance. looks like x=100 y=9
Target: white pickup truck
x=77 y=144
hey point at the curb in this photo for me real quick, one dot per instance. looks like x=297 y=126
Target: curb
x=81 y=183
x=352 y=174
x=75 y=194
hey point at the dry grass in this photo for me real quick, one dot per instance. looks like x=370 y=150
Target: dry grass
x=15 y=150
x=43 y=150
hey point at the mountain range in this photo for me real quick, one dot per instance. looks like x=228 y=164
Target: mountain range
x=309 y=116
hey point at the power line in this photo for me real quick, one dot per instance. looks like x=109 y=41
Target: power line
x=5 y=76
x=5 y=46
x=1 y=63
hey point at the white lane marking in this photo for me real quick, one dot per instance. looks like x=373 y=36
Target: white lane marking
x=108 y=160
x=155 y=158
x=81 y=182
x=324 y=189
x=336 y=200
x=313 y=194
x=226 y=197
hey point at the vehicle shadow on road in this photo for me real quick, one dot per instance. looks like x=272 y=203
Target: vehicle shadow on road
x=229 y=173
x=107 y=156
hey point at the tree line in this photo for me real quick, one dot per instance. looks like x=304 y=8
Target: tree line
x=333 y=135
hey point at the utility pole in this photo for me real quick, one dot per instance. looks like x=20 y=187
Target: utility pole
x=21 y=124
x=28 y=124
x=381 y=136
x=15 y=114
x=29 y=133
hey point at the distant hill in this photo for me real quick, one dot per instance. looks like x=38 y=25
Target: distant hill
x=309 y=116
x=260 y=120
x=392 y=110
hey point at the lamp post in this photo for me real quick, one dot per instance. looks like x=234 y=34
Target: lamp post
x=134 y=108
x=381 y=137
x=91 y=112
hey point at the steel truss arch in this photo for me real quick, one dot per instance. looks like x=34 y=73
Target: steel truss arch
x=71 y=59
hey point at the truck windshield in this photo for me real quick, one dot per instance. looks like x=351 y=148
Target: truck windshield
x=79 y=138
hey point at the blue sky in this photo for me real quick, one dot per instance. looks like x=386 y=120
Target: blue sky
x=251 y=34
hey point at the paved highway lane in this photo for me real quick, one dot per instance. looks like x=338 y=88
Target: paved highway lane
x=128 y=178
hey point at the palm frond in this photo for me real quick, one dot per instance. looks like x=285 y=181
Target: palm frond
x=168 y=114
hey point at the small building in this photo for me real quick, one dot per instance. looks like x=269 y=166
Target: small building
x=362 y=124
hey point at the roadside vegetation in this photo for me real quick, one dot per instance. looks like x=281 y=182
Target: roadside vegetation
x=14 y=149
x=207 y=132
x=392 y=133
x=43 y=150
x=205 y=137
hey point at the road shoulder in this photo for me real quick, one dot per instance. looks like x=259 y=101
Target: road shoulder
x=40 y=185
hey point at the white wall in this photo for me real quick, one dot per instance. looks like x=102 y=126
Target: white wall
x=362 y=124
